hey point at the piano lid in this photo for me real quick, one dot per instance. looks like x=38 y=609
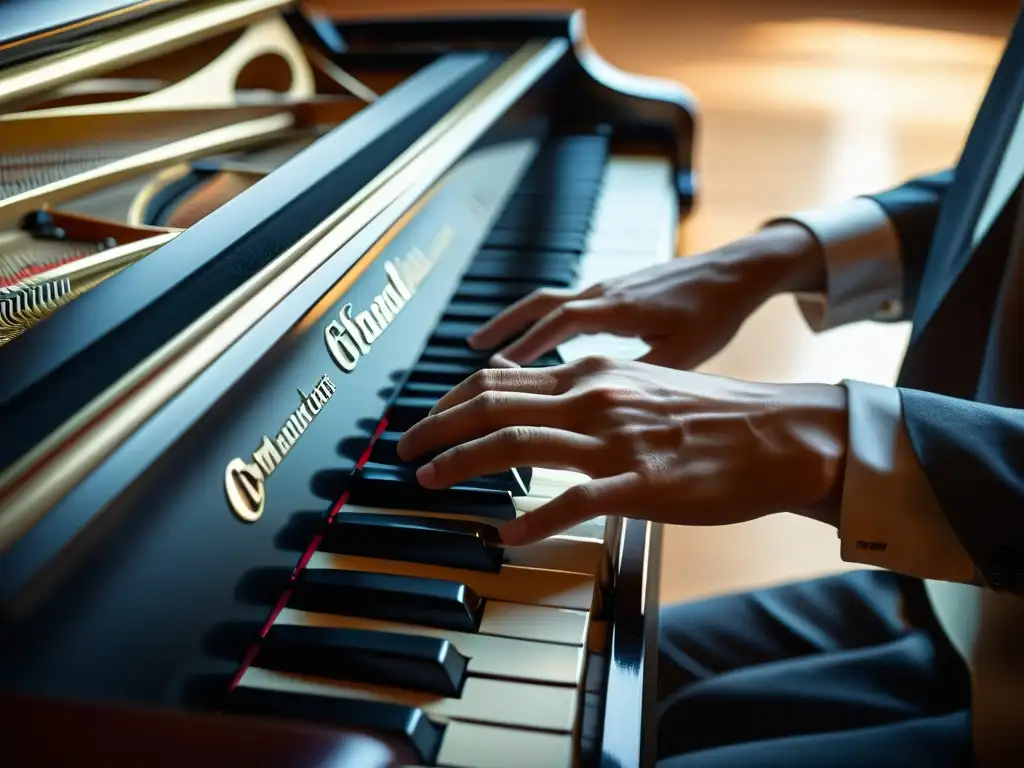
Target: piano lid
x=31 y=28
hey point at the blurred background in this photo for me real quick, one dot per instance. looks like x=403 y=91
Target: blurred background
x=802 y=104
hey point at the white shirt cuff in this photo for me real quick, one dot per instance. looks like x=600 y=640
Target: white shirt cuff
x=889 y=516
x=863 y=265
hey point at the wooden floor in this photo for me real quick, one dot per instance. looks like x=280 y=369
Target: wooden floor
x=803 y=104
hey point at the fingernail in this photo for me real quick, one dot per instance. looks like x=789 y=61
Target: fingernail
x=426 y=475
x=500 y=361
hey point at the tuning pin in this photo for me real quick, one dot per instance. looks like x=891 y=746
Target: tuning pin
x=37 y=221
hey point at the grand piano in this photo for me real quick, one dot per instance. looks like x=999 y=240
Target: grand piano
x=241 y=248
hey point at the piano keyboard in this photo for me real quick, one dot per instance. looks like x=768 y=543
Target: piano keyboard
x=475 y=655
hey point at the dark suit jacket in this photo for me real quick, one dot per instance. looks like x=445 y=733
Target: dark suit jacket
x=962 y=384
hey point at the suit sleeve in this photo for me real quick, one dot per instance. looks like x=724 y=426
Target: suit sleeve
x=889 y=516
x=875 y=247
x=973 y=457
x=913 y=209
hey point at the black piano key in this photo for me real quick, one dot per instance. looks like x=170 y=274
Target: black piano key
x=437 y=373
x=463 y=356
x=410 y=725
x=451 y=543
x=477 y=360
x=526 y=268
x=425 y=389
x=540 y=256
x=387 y=597
x=544 y=218
x=560 y=179
x=453 y=333
x=483 y=290
x=386 y=465
x=525 y=239
x=375 y=489
x=406 y=411
x=385 y=450
x=429 y=664
x=476 y=311
x=399 y=471
x=532 y=207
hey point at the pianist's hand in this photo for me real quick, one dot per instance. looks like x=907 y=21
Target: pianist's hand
x=686 y=310
x=660 y=444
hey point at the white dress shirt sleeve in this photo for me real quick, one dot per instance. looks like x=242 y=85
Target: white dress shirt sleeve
x=889 y=516
x=863 y=264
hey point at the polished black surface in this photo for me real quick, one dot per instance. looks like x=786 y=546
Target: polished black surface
x=58 y=366
x=32 y=28
x=408 y=724
x=394 y=659
x=90 y=626
x=433 y=541
x=388 y=597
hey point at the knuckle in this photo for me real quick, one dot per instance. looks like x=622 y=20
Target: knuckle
x=647 y=467
x=488 y=400
x=513 y=437
x=605 y=397
x=579 y=495
x=598 y=363
x=481 y=381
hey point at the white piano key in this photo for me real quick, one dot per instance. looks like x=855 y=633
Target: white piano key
x=470 y=745
x=548 y=483
x=633 y=227
x=495 y=702
x=535 y=622
x=489 y=656
x=563 y=553
x=556 y=589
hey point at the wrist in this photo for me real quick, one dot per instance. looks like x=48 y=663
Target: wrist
x=784 y=258
x=822 y=429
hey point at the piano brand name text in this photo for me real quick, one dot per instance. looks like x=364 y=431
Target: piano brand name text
x=350 y=337
x=244 y=482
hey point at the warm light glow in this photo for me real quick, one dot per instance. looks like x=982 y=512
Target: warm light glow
x=915 y=75
x=871 y=43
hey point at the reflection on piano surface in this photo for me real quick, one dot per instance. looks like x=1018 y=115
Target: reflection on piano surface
x=240 y=252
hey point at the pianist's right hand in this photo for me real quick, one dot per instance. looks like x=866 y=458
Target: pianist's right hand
x=686 y=310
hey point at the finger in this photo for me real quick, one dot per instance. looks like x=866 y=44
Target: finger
x=534 y=381
x=516 y=317
x=560 y=325
x=605 y=496
x=485 y=413
x=497 y=361
x=507 y=448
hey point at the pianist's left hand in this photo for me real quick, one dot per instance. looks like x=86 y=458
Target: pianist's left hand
x=660 y=444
